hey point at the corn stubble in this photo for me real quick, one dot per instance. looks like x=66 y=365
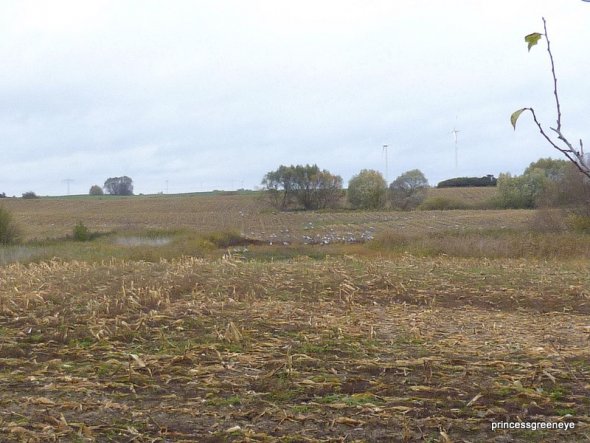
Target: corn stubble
x=307 y=350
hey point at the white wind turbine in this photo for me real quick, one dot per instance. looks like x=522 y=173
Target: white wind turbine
x=455 y=132
x=386 y=164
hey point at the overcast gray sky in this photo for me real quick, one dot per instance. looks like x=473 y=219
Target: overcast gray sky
x=199 y=95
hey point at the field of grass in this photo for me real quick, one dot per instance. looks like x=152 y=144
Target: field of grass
x=320 y=326
x=473 y=196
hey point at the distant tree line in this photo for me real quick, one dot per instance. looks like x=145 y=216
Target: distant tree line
x=30 y=195
x=459 y=182
x=25 y=195
x=307 y=187
x=113 y=185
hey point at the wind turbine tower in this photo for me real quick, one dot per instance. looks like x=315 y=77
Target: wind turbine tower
x=386 y=164
x=455 y=131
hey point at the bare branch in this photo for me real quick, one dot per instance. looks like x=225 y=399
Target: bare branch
x=570 y=152
x=542 y=131
x=554 y=76
x=576 y=157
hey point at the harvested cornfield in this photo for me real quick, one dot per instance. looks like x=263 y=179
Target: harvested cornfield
x=247 y=214
x=340 y=349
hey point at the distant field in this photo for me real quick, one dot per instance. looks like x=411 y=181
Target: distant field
x=248 y=214
x=472 y=196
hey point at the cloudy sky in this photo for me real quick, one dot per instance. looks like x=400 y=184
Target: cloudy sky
x=197 y=95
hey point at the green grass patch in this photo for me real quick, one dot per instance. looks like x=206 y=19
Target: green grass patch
x=350 y=400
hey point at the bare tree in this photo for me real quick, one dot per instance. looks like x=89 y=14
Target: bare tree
x=561 y=143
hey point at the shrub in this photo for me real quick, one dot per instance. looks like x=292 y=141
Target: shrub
x=29 y=195
x=81 y=232
x=367 y=190
x=9 y=231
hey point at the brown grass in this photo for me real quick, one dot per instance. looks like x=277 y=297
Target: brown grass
x=489 y=243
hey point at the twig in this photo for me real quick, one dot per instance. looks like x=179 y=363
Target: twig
x=554 y=76
x=574 y=156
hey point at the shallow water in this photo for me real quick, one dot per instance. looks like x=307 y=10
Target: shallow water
x=142 y=241
x=13 y=254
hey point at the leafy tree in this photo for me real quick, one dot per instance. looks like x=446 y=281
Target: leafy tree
x=279 y=185
x=561 y=143
x=367 y=190
x=408 y=190
x=119 y=186
x=553 y=169
x=307 y=186
x=315 y=188
x=95 y=190
x=29 y=195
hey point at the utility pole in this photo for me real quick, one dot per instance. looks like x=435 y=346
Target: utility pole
x=68 y=181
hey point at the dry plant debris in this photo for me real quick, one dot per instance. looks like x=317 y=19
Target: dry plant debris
x=342 y=349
